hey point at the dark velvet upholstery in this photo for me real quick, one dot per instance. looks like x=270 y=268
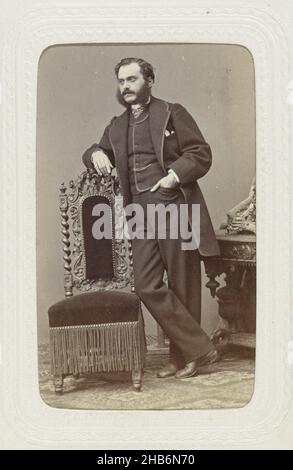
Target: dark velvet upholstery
x=98 y=253
x=95 y=308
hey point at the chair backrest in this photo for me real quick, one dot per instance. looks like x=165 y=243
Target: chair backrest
x=90 y=206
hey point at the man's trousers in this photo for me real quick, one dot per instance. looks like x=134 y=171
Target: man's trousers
x=177 y=305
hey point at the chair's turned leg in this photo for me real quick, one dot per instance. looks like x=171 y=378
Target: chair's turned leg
x=58 y=383
x=137 y=379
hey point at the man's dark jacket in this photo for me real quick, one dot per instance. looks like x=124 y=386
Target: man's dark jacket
x=182 y=148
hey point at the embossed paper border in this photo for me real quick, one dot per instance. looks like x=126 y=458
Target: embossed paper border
x=43 y=25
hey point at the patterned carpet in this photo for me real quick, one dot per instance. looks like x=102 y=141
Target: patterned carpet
x=226 y=384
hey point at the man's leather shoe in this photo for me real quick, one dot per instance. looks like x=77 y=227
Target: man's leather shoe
x=168 y=370
x=190 y=370
x=209 y=358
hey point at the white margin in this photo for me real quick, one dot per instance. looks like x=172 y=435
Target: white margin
x=37 y=425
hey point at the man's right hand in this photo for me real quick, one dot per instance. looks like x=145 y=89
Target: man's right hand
x=101 y=162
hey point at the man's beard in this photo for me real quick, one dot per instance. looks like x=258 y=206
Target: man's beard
x=141 y=97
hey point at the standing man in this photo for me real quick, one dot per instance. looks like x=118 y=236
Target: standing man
x=160 y=153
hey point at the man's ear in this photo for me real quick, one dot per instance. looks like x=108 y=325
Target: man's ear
x=150 y=82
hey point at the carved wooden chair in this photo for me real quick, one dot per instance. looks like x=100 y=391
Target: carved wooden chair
x=101 y=329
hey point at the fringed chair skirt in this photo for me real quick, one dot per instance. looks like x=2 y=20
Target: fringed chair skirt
x=97 y=348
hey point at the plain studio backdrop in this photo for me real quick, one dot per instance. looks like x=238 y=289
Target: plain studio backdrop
x=76 y=100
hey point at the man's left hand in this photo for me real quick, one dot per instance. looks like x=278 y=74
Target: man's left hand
x=168 y=181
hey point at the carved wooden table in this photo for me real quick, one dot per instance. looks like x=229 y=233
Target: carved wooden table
x=237 y=299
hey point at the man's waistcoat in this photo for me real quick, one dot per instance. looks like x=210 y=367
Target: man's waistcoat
x=143 y=166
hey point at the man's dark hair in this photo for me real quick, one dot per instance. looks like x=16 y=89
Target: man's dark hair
x=146 y=68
